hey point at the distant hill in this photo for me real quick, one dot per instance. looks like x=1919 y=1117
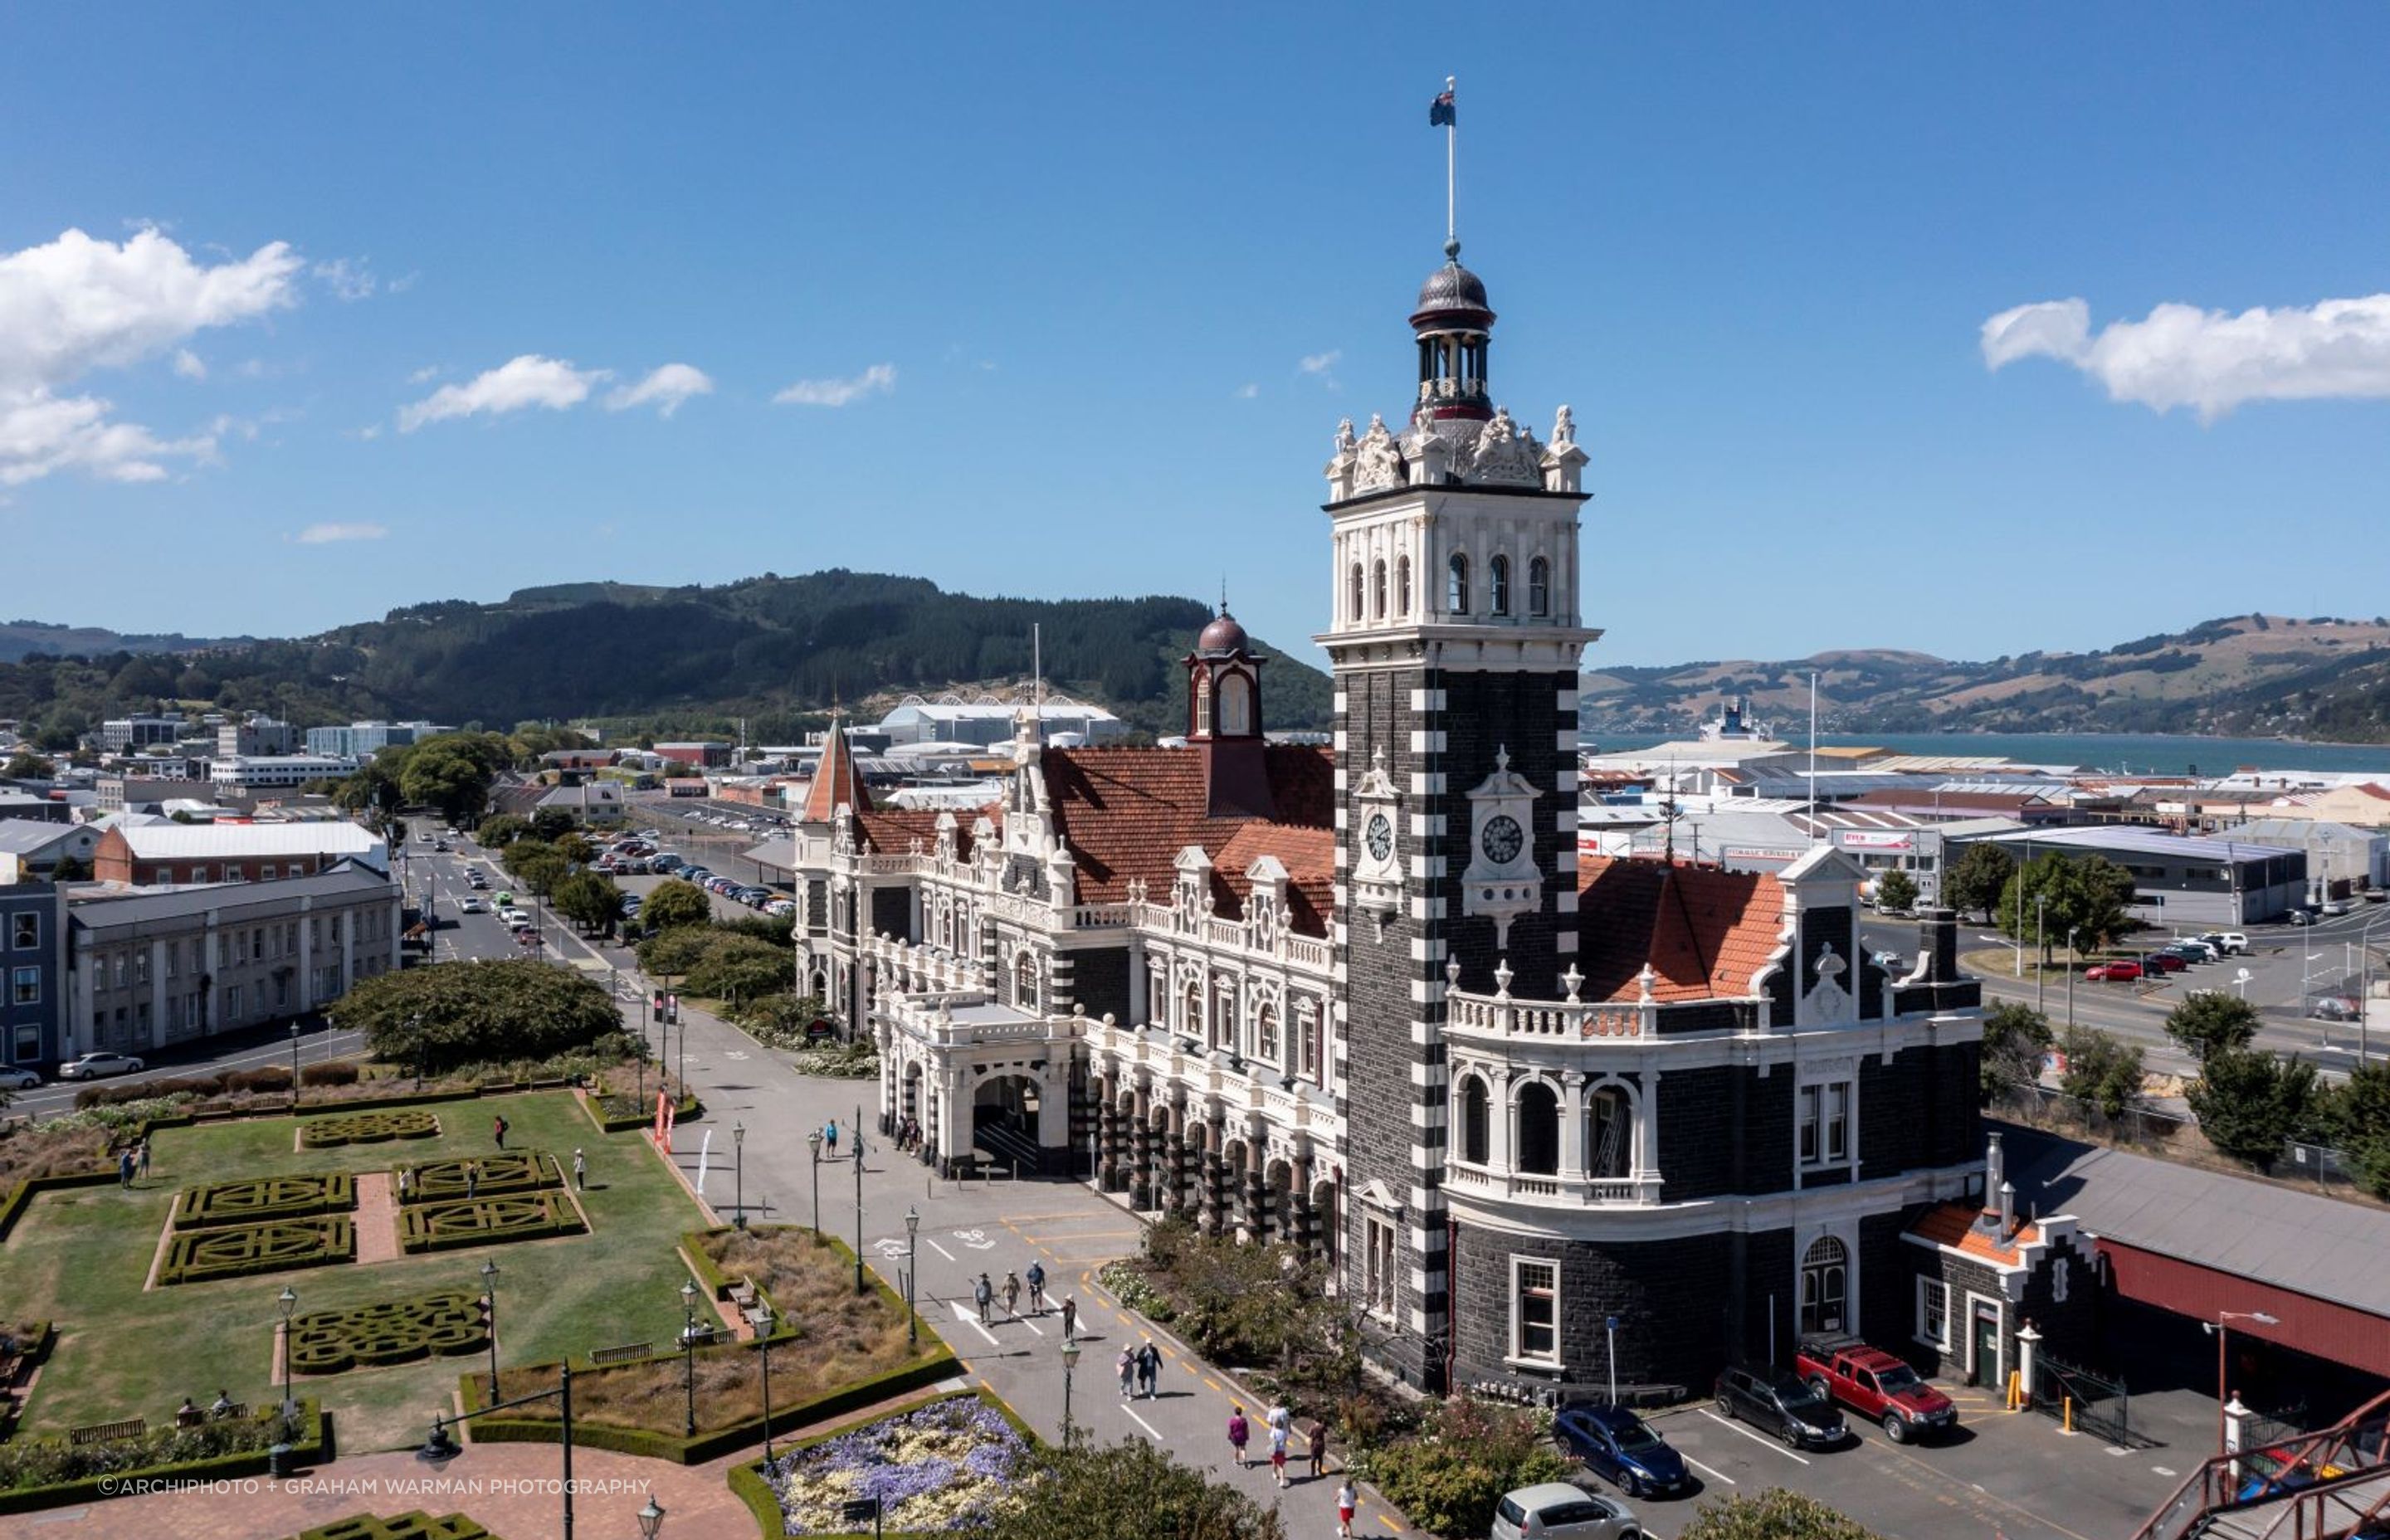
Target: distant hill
x=775 y=651
x=2246 y=676
x=38 y=638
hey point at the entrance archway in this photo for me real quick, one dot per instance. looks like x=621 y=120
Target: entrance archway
x=1825 y=1286
x=1004 y=1109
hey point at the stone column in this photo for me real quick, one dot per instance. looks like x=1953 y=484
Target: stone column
x=1254 y=1192
x=1214 y=1219
x=1174 y=1156
x=1140 y=1196
x=1306 y=1219
x=1108 y=1135
x=2236 y=1424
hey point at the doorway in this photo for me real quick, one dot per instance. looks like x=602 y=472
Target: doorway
x=1983 y=1339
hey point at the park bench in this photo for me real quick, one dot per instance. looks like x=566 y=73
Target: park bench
x=627 y=1354
x=104 y=1432
x=742 y=1293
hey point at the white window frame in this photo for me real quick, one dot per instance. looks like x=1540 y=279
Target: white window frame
x=25 y=985
x=25 y=931
x=1381 y=1264
x=1821 y=1109
x=1520 y=1290
x=1927 y=1289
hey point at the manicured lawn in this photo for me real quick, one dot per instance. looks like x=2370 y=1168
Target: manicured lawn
x=78 y=1257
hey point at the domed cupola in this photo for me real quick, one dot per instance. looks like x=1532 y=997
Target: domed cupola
x=1452 y=322
x=1224 y=718
x=1223 y=638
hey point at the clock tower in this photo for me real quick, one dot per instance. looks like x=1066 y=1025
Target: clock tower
x=1455 y=645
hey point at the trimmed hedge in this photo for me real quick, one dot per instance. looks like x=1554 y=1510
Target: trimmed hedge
x=237 y=1252
x=418 y=1525
x=749 y=1485
x=20 y=1197
x=367 y=1128
x=259 y=1199
x=312 y=1447
x=608 y=1124
x=395 y=1331
x=442 y=1227
x=514 y=1171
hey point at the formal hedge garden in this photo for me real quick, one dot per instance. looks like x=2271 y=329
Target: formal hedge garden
x=234 y=1251
x=263 y=1198
x=515 y=1170
x=394 y=1332
x=418 y=1525
x=402 y=1122
x=486 y=1221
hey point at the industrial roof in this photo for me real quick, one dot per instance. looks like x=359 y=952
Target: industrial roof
x=24 y=836
x=2260 y=1230
x=2153 y=842
x=101 y=908
x=167 y=840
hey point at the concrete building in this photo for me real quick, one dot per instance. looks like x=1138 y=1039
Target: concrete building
x=2181 y=881
x=160 y=855
x=984 y=720
x=260 y=737
x=590 y=802
x=705 y=755
x=126 y=735
x=150 y=970
x=363 y=739
x=34 y=806
x=32 y=973
x=2342 y=859
x=129 y=793
x=243 y=774
x=30 y=850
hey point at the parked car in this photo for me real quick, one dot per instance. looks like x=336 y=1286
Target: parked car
x=19 y=1080
x=2336 y=907
x=1557 y=1511
x=2334 y=1007
x=96 y=1065
x=2191 y=950
x=2232 y=944
x=2162 y=961
x=1876 y=1385
x=1616 y=1445
x=2112 y=971
x=1780 y=1403
x=472 y=905
x=2299 y=917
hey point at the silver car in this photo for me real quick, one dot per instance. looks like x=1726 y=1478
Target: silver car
x=92 y=1066
x=1557 y=1511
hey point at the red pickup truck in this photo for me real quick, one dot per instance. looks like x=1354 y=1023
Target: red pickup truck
x=1876 y=1385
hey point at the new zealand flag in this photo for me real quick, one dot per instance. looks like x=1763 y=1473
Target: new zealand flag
x=1440 y=113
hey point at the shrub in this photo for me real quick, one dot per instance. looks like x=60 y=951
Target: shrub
x=394 y=1332
x=1449 y=1477
x=402 y=1122
x=448 y=1014
x=267 y=1077
x=194 y=1256
x=263 y=1198
x=333 y=1071
x=440 y=1227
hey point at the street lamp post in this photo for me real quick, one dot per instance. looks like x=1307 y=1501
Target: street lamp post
x=415 y=1023
x=439 y=1448
x=814 y=1140
x=764 y=1321
x=1070 y=1362
x=288 y=1300
x=489 y=1298
x=739 y=1175
x=2040 y=945
x=1610 y=1332
x=294 y=1066
x=912 y=1264
x=652 y=1518
x=858 y=1207
x=2221 y=1329
x=688 y=1354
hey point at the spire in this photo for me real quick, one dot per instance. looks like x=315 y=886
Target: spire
x=837 y=781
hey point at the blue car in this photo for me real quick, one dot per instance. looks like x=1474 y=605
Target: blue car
x=1614 y=1445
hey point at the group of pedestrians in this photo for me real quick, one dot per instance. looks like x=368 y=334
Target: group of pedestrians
x=984 y=1294
x=1279 y=1420
x=131 y=1161
x=1140 y=1371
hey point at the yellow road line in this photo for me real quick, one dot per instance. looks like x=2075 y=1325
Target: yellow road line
x=1212 y=1384
x=1390 y=1524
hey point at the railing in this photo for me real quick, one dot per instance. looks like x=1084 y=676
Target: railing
x=892 y=866
x=1576 y=1191
x=1496 y=1016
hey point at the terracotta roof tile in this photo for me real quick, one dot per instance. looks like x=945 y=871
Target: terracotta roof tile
x=1953 y=1224
x=1707 y=933
x=837 y=782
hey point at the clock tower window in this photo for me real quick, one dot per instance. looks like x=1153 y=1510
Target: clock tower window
x=1377 y=592
x=1456 y=587
x=1497 y=586
x=1353 y=599
x=1540 y=588
x=1403 y=586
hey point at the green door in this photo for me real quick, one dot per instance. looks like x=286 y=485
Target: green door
x=1984 y=1364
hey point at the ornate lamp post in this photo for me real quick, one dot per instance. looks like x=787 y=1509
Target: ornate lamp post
x=764 y=1321
x=738 y=1174
x=858 y=1206
x=439 y=1448
x=813 y=1139
x=490 y=1299
x=294 y=1066
x=1070 y=1362
x=912 y=1266
x=651 y=1519
x=688 y=1354
x=288 y=1300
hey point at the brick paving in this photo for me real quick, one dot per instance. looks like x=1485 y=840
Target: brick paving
x=376 y=1221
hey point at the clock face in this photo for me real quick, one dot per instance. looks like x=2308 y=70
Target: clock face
x=1380 y=836
x=1502 y=840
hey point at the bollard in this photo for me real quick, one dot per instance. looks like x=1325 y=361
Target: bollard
x=2070 y=1414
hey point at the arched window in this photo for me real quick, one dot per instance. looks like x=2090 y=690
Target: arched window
x=1190 y=1020
x=1265 y=1035
x=1497 y=586
x=1456 y=586
x=1353 y=598
x=1025 y=982
x=1202 y=702
x=1403 y=586
x=1236 y=705
x=1609 y=1134
x=1535 y=1150
x=1378 y=591
x=1475 y=1116
x=1540 y=588
x=1306 y=1027
x=1825 y=1285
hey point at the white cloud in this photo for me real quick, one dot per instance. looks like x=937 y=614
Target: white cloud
x=425 y=375
x=350 y=280
x=665 y=388
x=1320 y=362
x=1248 y=390
x=401 y=284
x=369 y=432
x=526 y=381
x=874 y=380
x=325 y=534
x=78 y=305
x=188 y=365
x=2208 y=360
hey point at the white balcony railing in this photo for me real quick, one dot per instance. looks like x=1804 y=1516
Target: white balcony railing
x=1499 y=1016
x=1558 y=1191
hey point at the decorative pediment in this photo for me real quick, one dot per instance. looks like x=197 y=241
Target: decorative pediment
x=1504 y=782
x=1830 y=1000
x=1376 y=784
x=1505 y=455
x=1377 y=461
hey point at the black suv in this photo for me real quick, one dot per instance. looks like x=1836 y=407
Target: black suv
x=1778 y=1403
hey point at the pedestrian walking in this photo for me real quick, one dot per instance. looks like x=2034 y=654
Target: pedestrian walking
x=1282 y=1425
x=1318 y=1448
x=830 y=1137
x=1035 y=1277
x=145 y=1157
x=400 y=1183
x=1239 y=1431
x=580 y=1171
x=1149 y=1366
x=981 y=1294
x=1346 y=1501
x=1012 y=1295
x=1070 y=1318
x=1127 y=1364
x=125 y=1164
x=498 y=1131
x=472 y=1177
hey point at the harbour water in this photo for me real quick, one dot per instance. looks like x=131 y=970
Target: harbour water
x=2124 y=753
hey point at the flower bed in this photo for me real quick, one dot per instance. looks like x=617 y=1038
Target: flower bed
x=368 y=1128
x=945 y=1466
x=395 y=1331
x=485 y=1222
x=234 y=1251
x=517 y=1170
x=38 y=1473
x=265 y=1198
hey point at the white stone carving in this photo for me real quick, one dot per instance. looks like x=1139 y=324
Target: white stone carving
x=1378 y=463
x=1503 y=458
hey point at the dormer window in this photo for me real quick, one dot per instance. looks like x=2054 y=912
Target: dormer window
x=1456 y=585
x=1497 y=586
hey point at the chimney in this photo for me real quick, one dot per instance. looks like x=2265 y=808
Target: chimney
x=2007 y=1210
x=1938 y=933
x=1995 y=1172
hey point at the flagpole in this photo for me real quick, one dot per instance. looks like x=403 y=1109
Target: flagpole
x=1451 y=159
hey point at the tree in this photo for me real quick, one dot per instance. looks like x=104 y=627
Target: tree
x=2212 y=1023
x=676 y=903
x=672 y=952
x=1977 y=877
x=501 y=830
x=551 y=823
x=540 y=868
x=1776 y=1514
x=25 y=765
x=2249 y=1103
x=69 y=869
x=1896 y=890
x=2102 y=1070
x=465 y=1013
x=1128 y=1491
x=371 y=788
x=2015 y=1036
x=2358 y=1116
x=589 y=899
x=443 y=773
x=2053 y=900
x=736 y=967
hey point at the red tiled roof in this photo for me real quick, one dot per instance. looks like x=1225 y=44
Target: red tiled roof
x=836 y=780
x=1707 y=933
x=1126 y=813
x=1953 y=1224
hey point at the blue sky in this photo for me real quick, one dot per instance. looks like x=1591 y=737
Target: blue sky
x=1044 y=281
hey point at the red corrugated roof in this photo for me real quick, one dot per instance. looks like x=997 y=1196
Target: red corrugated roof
x=1707 y=933
x=836 y=782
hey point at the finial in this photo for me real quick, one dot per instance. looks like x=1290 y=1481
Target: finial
x=1452 y=248
x=1223 y=593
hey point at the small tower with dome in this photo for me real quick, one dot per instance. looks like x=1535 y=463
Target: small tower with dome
x=1224 y=718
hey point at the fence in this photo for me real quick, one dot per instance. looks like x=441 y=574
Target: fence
x=2098 y=1405
x=2170 y=1136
